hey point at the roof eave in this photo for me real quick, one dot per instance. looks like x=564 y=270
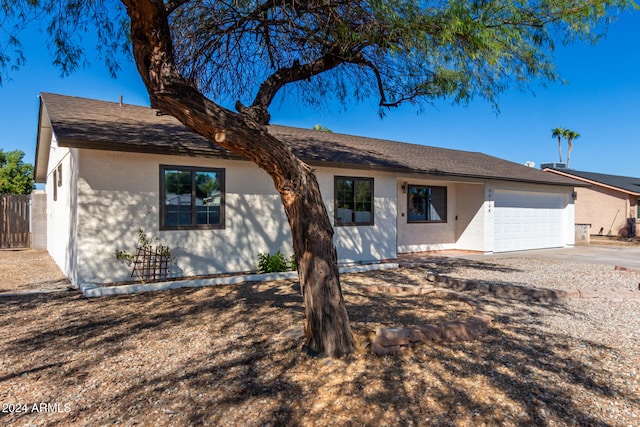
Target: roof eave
x=43 y=145
x=149 y=149
x=436 y=173
x=590 y=183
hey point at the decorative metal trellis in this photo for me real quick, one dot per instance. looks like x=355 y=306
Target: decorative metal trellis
x=151 y=263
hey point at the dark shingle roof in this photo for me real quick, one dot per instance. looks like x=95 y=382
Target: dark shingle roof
x=92 y=124
x=625 y=183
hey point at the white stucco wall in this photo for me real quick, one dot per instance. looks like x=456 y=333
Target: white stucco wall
x=488 y=209
x=470 y=216
x=364 y=242
x=61 y=212
x=419 y=237
x=119 y=192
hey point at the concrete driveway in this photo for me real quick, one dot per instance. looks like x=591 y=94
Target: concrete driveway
x=623 y=256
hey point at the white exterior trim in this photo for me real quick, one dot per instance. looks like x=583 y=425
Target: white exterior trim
x=92 y=290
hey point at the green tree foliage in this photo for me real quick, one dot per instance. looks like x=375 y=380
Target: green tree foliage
x=567 y=134
x=196 y=56
x=64 y=23
x=396 y=50
x=16 y=177
x=571 y=136
x=321 y=128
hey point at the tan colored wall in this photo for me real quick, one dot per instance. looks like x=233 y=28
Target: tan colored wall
x=604 y=209
x=38 y=220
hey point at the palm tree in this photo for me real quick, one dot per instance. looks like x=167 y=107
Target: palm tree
x=558 y=133
x=571 y=136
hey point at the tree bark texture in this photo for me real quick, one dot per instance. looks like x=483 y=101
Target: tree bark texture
x=327 y=328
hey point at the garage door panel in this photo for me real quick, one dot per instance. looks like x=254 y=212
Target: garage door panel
x=525 y=220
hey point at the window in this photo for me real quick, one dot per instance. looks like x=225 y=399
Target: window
x=55 y=185
x=353 y=201
x=191 y=198
x=59 y=175
x=427 y=204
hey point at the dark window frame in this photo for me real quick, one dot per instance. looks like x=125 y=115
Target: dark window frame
x=336 y=219
x=193 y=169
x=55 y=185
x=427 y=220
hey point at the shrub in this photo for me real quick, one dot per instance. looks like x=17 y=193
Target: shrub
x=275 y=263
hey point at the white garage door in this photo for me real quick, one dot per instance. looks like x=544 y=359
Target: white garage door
x=527 y=220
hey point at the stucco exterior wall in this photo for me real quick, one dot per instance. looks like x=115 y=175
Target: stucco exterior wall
x=605 y=209
x=364 y=242
x=420 y=237
x=61 y=211
x=470 y=217
x=119 y=193
x=488 y=209
x=113 y=206
x=469 y=223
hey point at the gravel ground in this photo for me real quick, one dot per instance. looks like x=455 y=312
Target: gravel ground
x=217 y=356
x=28 y=270
x=600 y=336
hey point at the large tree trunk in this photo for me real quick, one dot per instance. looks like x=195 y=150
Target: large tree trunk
x=327 y=328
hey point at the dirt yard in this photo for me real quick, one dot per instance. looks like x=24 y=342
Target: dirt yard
x=218 y=356
x=27 y=270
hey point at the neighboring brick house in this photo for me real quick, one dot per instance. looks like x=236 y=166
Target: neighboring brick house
x=110 y=169
x=609 y=204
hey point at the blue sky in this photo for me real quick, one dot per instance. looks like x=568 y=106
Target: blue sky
x=601 y=101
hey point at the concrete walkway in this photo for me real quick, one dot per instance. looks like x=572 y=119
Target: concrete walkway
x=623 y=256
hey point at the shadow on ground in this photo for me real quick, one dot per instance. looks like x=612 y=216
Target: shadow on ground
x=214 y=357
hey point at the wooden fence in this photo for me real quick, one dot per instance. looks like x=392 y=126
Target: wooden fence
x=14 y=221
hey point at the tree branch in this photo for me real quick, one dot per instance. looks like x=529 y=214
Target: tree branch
x=297 y=72
x=383 y=98
x=173 y=94
x=171 y=5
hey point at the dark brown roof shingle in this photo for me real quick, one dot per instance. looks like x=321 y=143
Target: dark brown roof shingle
x=628 y=184
x=87 y=123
